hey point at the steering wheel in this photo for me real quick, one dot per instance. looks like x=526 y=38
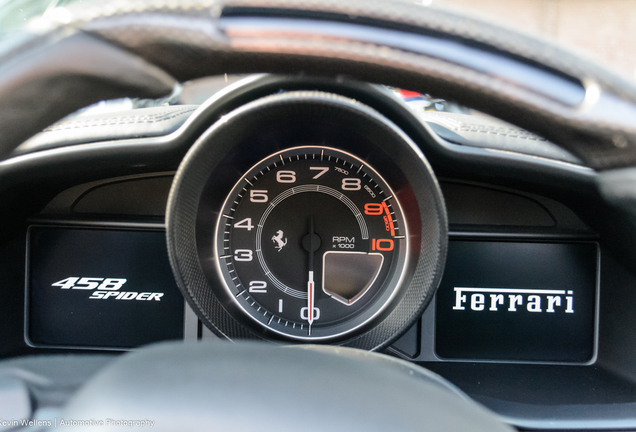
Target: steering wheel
x=75 y=57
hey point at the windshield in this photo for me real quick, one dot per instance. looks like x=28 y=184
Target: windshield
x=603 y=30
x=14 y=14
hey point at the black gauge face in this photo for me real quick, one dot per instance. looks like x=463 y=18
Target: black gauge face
x=311 y=243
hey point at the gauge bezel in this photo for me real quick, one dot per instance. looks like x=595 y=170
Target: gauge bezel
x=271 y=124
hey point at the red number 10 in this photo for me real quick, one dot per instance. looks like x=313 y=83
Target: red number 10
x=383 y=245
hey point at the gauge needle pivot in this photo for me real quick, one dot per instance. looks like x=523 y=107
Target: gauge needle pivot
x=310 y=283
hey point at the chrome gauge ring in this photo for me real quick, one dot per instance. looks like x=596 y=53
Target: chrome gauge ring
x=312 y=243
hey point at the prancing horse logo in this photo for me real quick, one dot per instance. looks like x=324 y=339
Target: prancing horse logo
x=278 y=239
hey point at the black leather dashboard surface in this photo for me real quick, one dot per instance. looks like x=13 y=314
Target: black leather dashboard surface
x=468 y=130
x=491 y=133
x=137 y=123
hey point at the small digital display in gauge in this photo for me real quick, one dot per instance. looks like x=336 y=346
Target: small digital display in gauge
x=513 y=301
x=100 y=288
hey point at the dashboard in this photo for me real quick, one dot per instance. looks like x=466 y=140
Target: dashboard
x=298 y=209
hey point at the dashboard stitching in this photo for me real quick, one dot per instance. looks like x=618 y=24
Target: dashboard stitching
x=152 y=118
x=460 y=126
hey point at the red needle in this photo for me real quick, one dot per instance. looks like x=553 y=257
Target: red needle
x=310 y=298
x=310 y=283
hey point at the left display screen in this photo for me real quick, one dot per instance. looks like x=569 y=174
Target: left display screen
x=100 y=288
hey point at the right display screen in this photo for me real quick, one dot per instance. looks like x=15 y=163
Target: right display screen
x=517 y=301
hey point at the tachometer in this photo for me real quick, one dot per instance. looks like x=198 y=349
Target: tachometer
x=307 y=217
x=312 y=242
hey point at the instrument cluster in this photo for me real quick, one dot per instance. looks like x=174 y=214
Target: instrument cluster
x=307 y=216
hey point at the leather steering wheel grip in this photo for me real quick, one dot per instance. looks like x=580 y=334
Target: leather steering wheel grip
x=256 y=386
x=134 y=45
